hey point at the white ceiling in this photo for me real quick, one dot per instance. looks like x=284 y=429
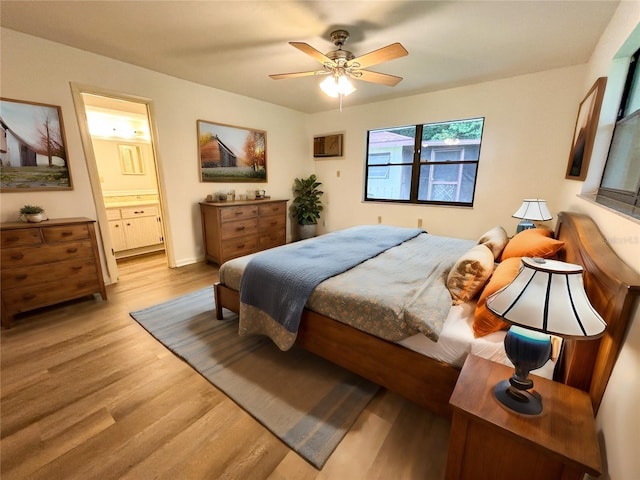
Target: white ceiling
x=234 y=45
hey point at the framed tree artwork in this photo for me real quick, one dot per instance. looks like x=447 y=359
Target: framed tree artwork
x=33 y=153
x=231 y=154
x=585 y=131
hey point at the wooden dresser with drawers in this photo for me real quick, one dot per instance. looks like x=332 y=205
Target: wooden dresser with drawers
x=233 y=229
x=47 y=263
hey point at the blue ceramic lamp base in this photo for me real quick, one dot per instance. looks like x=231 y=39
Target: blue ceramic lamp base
x=525 y=225
x=527 y=350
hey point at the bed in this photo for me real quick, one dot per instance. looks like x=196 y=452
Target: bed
x=427 y=378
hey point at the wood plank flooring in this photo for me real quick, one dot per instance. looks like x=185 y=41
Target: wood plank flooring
x=88 y=393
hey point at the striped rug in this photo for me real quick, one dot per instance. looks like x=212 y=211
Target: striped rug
x=306 y=401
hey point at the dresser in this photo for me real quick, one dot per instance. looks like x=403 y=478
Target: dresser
x=233 y=229
x=46 y=263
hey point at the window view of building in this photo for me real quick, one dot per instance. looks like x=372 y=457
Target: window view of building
x=429 y=163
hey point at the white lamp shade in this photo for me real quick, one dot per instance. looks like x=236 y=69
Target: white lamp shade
x=548 y=296
x=337 y=85
x=533 y=209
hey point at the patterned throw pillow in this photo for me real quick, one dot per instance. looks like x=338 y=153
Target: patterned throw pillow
x=470 y=273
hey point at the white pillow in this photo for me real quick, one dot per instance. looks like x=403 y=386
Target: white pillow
x=496 y=239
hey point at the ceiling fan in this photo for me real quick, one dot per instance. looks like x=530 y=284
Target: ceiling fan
x=340 y=64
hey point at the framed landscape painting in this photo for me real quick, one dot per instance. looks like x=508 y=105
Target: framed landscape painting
x=231 y=154
x=33 y=153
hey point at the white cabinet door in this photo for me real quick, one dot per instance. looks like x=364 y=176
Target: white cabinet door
x=117 y=235
x=142 y=231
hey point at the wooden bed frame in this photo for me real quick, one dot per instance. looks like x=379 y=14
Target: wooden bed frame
x=612 y=287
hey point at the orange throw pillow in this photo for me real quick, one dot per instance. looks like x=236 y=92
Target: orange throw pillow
x=485 y=322
x=535 y=242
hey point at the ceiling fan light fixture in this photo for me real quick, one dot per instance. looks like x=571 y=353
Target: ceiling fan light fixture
x=335 y=85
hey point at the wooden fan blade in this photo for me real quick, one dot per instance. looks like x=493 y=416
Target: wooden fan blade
x=384 y=54
x=309 y=50
x=280 y=76
x=375 y=77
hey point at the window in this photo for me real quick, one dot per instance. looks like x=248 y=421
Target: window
x=432 y=163
x=381 y=159
x=620 y=184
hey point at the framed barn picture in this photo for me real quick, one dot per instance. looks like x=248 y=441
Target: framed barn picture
x=231 y=154
x=33 y=153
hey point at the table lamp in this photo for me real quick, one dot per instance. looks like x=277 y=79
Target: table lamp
x=546 y=297
x=530 y=210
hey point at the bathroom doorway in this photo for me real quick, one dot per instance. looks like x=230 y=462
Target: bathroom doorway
x=124 y=171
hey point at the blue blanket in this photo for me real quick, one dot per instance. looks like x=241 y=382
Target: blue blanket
x=279 y=281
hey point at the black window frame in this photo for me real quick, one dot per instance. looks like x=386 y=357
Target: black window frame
x=417 y=163
x=624 y=201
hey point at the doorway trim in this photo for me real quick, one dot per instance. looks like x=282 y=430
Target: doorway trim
x=94 y=177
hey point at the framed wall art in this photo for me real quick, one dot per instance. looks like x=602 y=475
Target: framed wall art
x=33 y=153
x=585 y=131
x=231 y=154
x=328 y=145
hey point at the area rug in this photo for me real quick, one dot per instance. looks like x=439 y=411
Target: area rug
x=306 y=401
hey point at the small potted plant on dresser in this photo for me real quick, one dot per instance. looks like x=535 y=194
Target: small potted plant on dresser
x=306 y=206
x=32 y=213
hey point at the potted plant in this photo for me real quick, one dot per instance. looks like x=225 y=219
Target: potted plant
x=306 y=206
x=32 y=213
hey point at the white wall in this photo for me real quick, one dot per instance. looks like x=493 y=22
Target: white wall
x=41 y=71
x=112 y=179
x=525 y=148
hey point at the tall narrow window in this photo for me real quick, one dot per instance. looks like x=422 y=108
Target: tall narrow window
x=430 y=163
x=620 y=184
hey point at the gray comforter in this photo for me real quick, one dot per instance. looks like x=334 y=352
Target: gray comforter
x=278 y=282
x=394 y=295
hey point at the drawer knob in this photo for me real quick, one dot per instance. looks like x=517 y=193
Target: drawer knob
x=21 y=276
x=240 y=228
x=76 y=268
x=241 y=245
x=28 y=296
x=17 y=256
x=136 y=212
x=72 y=250
x=67 y=234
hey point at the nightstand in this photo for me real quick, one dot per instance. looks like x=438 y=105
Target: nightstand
x=490 y=442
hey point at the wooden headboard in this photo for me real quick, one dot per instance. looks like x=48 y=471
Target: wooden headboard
x=613 y=289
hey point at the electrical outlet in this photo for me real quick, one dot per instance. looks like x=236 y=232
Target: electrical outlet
x=337 y=173
x=379 y=219
x=419 y=222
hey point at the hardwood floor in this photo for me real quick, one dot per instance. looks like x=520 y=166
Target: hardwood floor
x=88 y=393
